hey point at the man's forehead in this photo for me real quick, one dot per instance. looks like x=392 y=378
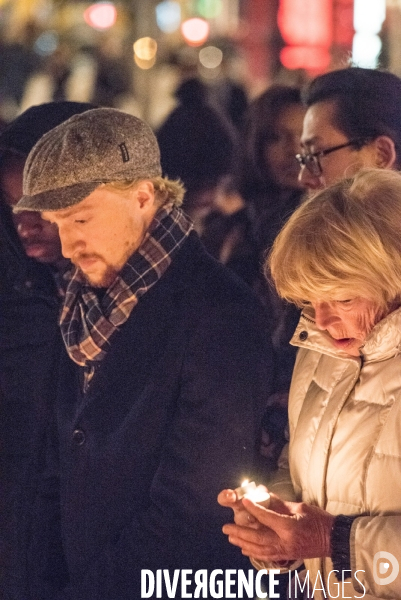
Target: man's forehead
x=64 y=213
x=319 y=125
x=310 y=141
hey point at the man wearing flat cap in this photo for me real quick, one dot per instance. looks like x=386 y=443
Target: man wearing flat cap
x=160 y=406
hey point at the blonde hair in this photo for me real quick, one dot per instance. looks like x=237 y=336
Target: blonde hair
x=166 y=190
x=343 y=242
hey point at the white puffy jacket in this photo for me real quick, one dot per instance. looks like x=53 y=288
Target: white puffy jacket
x=345 y=450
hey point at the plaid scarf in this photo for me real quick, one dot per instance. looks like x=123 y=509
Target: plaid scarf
x=87 y=324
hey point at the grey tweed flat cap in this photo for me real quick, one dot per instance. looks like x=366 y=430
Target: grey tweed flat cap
x=98 y=146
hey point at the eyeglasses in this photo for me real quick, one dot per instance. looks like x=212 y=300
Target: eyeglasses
x=312 y=160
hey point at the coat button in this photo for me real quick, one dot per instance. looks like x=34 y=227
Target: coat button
x=303 y=336
x=78 y=437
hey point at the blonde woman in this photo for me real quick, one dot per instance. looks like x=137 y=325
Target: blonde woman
x=339 y=258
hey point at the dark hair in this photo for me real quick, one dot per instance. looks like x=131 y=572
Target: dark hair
x=367 y=102
x=22 y=133
x=197 y=143
x=259 y=129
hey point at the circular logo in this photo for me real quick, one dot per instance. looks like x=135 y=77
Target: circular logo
x=385 y=567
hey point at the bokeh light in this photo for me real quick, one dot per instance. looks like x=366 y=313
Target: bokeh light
x=144 y=64
x=195 y=31
x=145 y=48
x=306 y=27
x=305 y=57
x=366 y=50
x=168 y=16
x=210 y=57
x=369 y=15
x=209 y=74
x=101 y=15
x=46 y=43
x=306 y=22
x=210 y=9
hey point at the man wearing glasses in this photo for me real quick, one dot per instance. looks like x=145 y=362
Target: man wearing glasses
x=353 y=121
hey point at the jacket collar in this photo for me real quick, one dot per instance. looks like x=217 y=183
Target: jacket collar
x=383 y=342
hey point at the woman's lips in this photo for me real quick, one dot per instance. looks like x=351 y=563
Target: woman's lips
x=343 y=342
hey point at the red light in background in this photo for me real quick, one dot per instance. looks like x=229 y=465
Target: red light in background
x=101 y=15
x=306 y=22
x=344 y=23
x=305 y=57
x=306 y=27
x=195 y=31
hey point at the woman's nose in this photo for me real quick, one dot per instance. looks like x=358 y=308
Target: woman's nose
x=323 y=314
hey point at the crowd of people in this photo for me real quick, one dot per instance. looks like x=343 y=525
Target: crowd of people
x=188 y=308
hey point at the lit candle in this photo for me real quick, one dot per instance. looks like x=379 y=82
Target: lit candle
x=256 y=493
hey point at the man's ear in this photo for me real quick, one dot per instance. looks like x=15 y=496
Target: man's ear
x=145 y=193
x=385 y=152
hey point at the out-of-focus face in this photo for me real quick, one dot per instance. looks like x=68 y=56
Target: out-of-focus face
x=280 y=153
x=100 y=233
x=348 y=321
x=39 y=238
x=320 y=133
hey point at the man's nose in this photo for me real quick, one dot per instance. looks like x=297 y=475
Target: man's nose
x=70 y=243
x=308 y=180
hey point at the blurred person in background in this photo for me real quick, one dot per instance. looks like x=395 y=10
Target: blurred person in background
x=268 y=179
x=247 y=218
x=228 y=90
x=18 y=62
x=228 y=234
x=197 y=145
x=57 y=66
x=353 y=120
x=113 y=72
x=265 y=189
x=31 y=268
x=39 y=239
x=270 y=188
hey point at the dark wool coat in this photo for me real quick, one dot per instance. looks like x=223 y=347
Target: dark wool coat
x=171 y=417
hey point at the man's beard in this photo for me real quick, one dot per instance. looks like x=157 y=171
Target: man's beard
x=105 y=280
x=102 y=279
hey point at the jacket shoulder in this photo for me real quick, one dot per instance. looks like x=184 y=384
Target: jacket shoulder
x=209 y=280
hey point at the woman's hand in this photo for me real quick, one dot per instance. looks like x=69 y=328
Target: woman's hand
x=242 y=516
x=228 y=498
x=285 y=531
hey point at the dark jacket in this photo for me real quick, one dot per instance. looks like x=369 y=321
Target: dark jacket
x=30 y=343
x=171 y=417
